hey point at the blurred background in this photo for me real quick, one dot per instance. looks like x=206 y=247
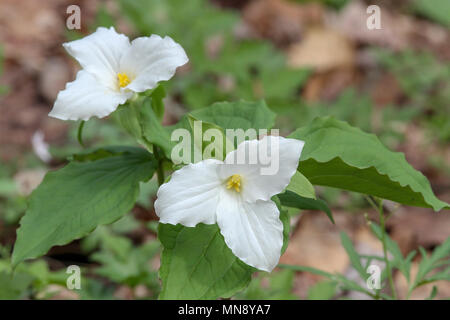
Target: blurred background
x=305 y=58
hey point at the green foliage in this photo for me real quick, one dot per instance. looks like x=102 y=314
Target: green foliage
x=322 y=290
x=73 y=201
x=124 y=263
x=293 y=200
x=424 y=80
x=279 y=287
x=206 y=33
x=237 y=115
x=353 y=255
x=13 y=286
x=197 y=264
x=437 y=10
x=141 y=118
x=301 y=186
x=431 y=269
x=440 y=257
x=337 y=4
x=340 y=156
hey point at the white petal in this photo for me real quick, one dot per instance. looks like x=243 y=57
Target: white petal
x=253 y=231
x=191 y=196
x=86 y=97
x=150 y=60
x=99 y=53
x=262 y=179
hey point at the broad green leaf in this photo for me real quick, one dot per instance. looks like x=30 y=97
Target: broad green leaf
x=340 y=156
x=301 y=186
x=237 y=115
x=222 y=116
x=73 y=201
x=292 y=200
x=197 y=264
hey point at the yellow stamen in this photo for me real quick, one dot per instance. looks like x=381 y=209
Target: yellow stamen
x=234 y=182
x=123 y=80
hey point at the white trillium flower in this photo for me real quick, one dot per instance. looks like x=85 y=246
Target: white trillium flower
x=113 y=69
x=235 y=196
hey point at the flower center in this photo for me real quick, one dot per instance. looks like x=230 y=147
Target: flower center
x=123 y=80
x=234 y=182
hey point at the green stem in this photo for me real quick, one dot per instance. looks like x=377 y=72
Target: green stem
x=386 y=260
x=80 y=133
x=159 y=170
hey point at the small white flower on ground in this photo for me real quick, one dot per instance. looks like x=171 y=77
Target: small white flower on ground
x=113 y=69
x=237 y=197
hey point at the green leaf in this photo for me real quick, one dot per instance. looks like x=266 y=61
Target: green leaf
x=285 y=219
x=433 y=293
x=157 y=95
x=152 y=129
x=124 y=263
x=437 y=10
x=301 y=186
x=201 y=144
x=128 y=116
x=14 y=286
x=427 y=264
x=141 y=118
x=238 y=115
x=197 y=264
x=340 y=156
x=73 y=201
x=322 y=290
x=292 y=200
x=398 y=260
x=353 y=255
x=307 y=269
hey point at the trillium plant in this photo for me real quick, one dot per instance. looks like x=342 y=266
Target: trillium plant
x=226 y=177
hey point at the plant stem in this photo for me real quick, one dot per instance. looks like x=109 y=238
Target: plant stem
x=80 y=133
x=159 y=169
x=383 y=240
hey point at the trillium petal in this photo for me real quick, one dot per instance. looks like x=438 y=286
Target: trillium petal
x=150 y=60
x=191 y=196
x=276 y=162
x=99 y=53
x=86 y=97
x=253 y=231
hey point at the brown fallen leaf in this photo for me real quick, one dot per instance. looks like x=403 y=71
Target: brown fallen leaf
x=316 y=243
x=281 y=21
x=322 y=49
